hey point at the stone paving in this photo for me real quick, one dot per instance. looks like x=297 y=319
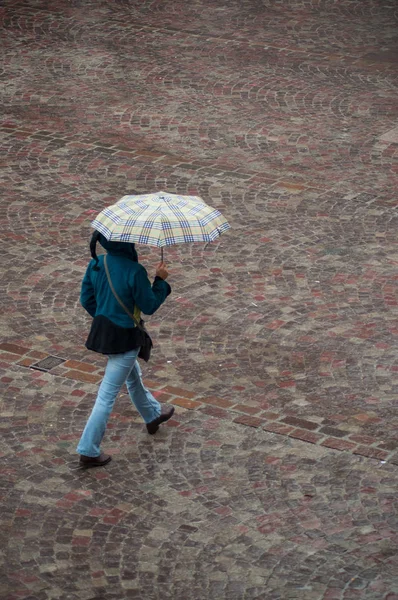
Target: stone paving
x=204 y=509
x=277 y=478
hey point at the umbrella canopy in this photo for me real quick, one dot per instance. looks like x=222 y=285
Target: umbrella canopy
x=160 y=219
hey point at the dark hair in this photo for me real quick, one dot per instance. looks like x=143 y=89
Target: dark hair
x=93 y=242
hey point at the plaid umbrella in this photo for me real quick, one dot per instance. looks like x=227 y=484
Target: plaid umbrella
x=160 y=219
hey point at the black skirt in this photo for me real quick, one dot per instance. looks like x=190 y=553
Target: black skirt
x=107 y=338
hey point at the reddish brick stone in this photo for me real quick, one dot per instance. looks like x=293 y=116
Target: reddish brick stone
x=270 y=460
x=111 y=520
x=98 y=512
x=23 y=512
x=303 y=423
x=80 y=366
x=101 y=475
x=306 y=436
x=85 y=377
x=278 y=428
x=38 y=355
x=185 y=403
x=362 y=439
x=96 y=574
x=371 y=452
x=221 y=402
x=250 y=410
x=26 y=362
x=270 y=416
x=161 y=396
x=13 y=348
x=176 y=391
x=287 y=384
x=10 y=358
x=223 y=511
x=366 y=418
x=186 y=493
x=172 y=423
x=214 y=411
x=275 y=324
x=153 y=385
x=249 y=420
x=338 y=444
x=81 y=541
x=335 y=418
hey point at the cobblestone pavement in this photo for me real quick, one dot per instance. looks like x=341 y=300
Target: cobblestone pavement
x=277 y=478
x=204 y=509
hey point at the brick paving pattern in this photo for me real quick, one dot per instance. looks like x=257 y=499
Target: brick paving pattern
x=277 y=478
x=204 y=509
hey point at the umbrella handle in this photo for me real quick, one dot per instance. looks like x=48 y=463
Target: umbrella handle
x=161 y=254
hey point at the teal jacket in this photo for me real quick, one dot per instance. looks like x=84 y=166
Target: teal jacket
x=131 y=283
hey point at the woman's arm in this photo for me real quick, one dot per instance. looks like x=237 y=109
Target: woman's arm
x=149 y=297
x=87 y=296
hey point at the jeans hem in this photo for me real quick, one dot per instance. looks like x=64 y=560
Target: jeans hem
x=88 y=455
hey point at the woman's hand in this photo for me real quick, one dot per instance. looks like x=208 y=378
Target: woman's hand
x=161 y=271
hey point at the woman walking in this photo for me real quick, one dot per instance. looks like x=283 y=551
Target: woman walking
x=115 y=333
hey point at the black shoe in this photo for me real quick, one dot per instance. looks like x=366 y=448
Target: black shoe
x=165 y=415
x=94 y=461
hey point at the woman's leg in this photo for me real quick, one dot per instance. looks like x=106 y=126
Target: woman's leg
x=148 y=407
x=116 y=372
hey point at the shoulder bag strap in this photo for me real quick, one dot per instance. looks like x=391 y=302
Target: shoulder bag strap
x=117 y=297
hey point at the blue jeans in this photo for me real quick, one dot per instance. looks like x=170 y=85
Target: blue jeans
x=120 y=369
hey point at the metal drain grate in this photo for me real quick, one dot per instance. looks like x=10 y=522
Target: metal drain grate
x=47 y=363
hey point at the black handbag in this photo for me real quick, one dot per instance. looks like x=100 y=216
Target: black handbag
x=147 y=345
